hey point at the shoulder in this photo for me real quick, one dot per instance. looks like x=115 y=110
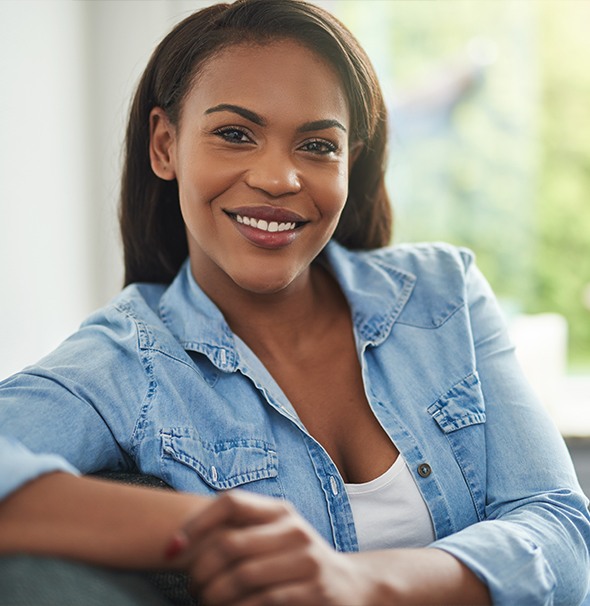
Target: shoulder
x=418 y=284
x=427 y=259
x=102 y=363
x=135 y=309
x=112 y=336
x=440 y=276
x=437 y=266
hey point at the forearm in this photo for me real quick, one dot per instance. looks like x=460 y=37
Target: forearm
x=409 y=577
x=94 y=521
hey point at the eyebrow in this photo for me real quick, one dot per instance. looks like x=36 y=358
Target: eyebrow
x=320 y=125
x=236 y=109
x=257 y=119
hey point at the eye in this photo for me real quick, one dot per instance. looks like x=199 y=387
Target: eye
x=320 y=147
x=233 y=134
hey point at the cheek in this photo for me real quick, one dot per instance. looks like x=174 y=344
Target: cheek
x=203 y=179
x=200 y=186
x=333 y=192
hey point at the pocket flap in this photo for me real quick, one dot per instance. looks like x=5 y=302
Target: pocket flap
x=461 y=406
x=225 y=464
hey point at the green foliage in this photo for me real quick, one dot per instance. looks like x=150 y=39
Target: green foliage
x=508 y=173
x=562 y=270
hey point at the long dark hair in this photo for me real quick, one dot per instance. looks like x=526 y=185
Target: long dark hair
x=154 y=239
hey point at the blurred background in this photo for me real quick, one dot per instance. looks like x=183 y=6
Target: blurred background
x=490 y=123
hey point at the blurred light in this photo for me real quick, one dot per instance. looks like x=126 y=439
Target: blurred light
x=482 y=51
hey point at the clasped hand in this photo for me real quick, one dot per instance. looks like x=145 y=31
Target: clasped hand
x=248 y=550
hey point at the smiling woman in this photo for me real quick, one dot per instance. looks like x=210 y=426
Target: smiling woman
x=365 y=399
x=276 y=154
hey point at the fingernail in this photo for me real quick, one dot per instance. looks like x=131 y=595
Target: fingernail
x=176 y=546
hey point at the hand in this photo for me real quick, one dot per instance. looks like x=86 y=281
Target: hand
x=248 y=550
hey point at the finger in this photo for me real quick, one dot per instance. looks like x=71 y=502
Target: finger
x=231 y=508
x=234 y=508
x=259 y=575
x=220 y=550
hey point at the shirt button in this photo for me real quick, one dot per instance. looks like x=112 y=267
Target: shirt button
x=214 y=473
x=424 y=470
x=334 y=486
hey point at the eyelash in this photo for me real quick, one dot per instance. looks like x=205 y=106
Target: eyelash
x=226 y=132
x=329 y=147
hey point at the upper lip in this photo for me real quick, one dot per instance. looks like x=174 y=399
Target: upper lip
x=267 y=213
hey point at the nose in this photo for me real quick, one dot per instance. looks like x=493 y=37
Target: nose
x=274 y=172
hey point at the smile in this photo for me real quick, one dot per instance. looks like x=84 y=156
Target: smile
x=263 y=225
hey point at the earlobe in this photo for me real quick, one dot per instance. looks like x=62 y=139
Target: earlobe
x=162 y=139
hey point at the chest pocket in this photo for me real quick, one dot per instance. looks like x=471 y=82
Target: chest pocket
x=192 y=464
x=460 y=415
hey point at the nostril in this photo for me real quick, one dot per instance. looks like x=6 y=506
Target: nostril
x=274 y=180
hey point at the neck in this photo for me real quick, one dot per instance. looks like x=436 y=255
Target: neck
x=285 y=322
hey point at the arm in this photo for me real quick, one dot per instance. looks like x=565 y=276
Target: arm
x=95 y=521
x=532 y=547
x=76 y=412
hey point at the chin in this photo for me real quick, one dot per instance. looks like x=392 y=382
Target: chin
x=268 y=285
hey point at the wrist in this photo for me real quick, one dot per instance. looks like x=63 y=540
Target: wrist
x=381 y=586
x=419 y=577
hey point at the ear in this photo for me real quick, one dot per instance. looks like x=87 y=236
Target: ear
x=162 y=145
x=353 y=153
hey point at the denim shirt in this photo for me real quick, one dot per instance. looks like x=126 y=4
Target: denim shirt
x=157 y=381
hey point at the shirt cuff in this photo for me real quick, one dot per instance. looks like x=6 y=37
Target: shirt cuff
x=512 y=566
x=19 y=465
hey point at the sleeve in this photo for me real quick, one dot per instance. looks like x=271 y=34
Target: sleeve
x=532 y=547
x=75 y=410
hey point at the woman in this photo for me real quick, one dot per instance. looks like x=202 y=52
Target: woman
x=376 y=392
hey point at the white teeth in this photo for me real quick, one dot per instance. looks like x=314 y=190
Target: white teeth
x=263 y=225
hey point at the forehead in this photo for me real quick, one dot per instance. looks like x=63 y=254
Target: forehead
x=278 y=77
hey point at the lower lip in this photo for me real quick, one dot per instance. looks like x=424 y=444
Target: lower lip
x=267 y=239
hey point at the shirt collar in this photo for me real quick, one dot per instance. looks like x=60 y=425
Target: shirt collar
x=196 y=322
x=376 y=291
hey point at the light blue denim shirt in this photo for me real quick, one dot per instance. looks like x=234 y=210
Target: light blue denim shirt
x=157 y=380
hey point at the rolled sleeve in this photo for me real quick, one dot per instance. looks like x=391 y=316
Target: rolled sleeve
x=529 y=559
x=20 y=465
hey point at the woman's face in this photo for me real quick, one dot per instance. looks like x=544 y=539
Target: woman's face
x=261 y=156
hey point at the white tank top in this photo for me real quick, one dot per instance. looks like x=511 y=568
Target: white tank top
x=390 y=511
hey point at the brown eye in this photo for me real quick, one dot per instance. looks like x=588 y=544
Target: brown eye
x=233 y=135
x=320 y=147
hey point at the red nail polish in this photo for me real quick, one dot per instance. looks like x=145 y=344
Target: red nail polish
x=177 y=545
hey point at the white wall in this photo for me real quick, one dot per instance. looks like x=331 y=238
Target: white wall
x=67 y=71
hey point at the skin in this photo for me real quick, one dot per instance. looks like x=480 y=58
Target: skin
x=243 y=549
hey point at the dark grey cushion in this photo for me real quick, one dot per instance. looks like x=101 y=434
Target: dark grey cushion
x=27 y=580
